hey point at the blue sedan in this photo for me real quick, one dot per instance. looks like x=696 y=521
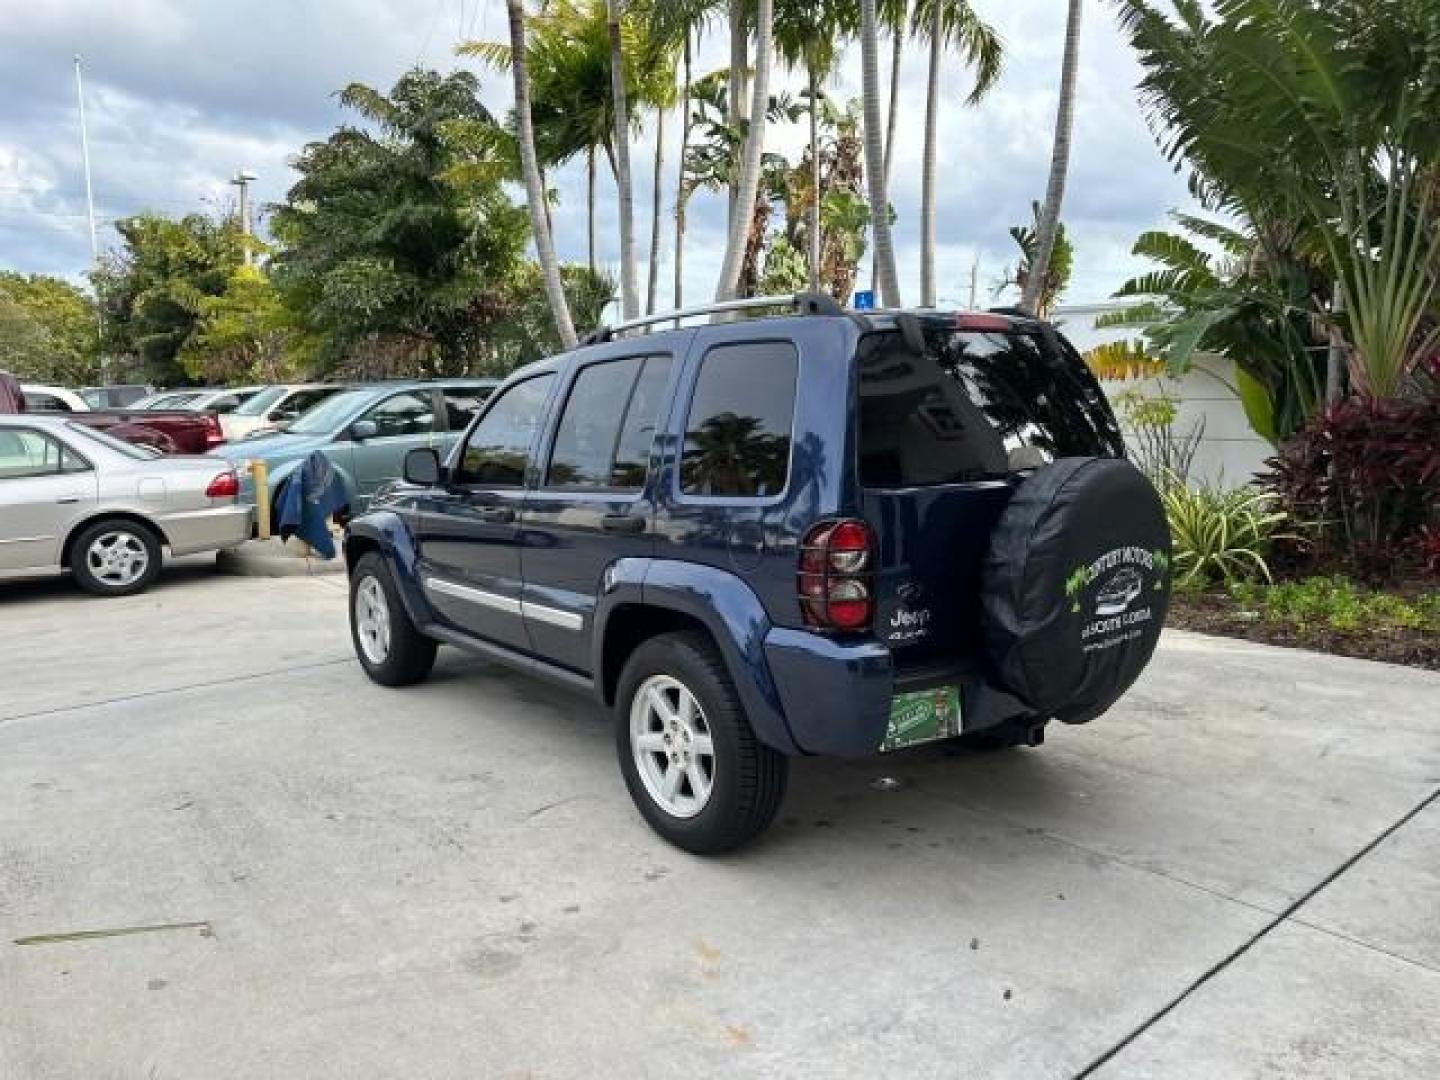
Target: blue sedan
x=365 y=432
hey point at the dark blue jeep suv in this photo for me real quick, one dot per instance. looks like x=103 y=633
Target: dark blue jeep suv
x=817 y=533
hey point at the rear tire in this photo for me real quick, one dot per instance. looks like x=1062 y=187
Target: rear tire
x=697 y=773
x=387 y=644
x=116 y=557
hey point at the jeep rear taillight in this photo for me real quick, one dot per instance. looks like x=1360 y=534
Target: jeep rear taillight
x=834 y=576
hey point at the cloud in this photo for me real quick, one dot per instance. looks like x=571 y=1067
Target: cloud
x=182 y=94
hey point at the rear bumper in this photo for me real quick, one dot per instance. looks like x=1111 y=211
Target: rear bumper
x=207 y=530
x=836 y=695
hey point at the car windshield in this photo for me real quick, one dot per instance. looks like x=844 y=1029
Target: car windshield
x=262 y=401
x=94 y=398
x=330 y=413
x=120 y=446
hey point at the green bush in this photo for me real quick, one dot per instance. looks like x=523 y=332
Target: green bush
x=1219 y=535
x=1337 y=603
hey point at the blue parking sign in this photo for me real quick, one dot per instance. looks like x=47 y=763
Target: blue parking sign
x=865 y=300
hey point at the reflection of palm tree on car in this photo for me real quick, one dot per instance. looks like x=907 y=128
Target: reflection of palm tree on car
x=730 y=455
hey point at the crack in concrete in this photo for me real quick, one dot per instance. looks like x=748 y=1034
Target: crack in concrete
x=1258 y=936
x=161 y=692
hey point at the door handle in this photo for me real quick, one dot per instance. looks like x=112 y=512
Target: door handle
x=622 y=523
x=68 y=499
x=502 y=515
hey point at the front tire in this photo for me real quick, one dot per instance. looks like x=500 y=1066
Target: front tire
x=387 y=644
x=115 y=558
x=697 y=773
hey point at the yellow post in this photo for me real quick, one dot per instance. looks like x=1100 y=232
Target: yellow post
x=260 y=473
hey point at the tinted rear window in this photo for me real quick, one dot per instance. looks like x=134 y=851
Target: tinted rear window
x=737 y=436
x=974 y=406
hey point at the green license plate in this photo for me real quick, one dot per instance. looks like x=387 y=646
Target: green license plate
x=921 y=717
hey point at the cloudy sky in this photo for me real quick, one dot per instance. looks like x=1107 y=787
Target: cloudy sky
x=180 y=94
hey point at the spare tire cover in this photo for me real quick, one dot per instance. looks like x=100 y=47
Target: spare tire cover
x=1076 y=586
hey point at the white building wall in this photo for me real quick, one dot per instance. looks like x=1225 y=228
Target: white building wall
x=1230 y=452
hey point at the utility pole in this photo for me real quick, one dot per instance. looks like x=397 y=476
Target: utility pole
x=242 y=180
x=90 y=211
x=974 y=280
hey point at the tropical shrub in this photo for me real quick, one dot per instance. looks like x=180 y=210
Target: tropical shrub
x=1219 y=535
x=1157 y=450
x=1338 y=603
x=1367 y=473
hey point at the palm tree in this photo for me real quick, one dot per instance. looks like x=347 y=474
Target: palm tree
x=949 y=23
x=571 y=84
x=808 y=34
x=895 y=15
x=629 y=299
x=886 y=276
x=534 y=190
x=679 y=295
x=748 y=185
x=672 y=26
x=739 y=68
x=1059 y=162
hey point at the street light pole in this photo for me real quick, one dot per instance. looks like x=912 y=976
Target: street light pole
x=242 y=180
x=90 y=211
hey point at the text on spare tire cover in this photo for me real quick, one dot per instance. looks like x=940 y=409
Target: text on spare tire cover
x=1108 y=589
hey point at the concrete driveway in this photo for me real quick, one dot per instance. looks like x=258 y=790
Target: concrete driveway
x=223 y=853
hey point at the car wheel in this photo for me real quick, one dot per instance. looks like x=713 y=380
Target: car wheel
x=693 y=765
x=390 y=649
x=115 y=558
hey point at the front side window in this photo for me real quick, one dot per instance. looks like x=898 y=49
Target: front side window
x=332 y=413
x=737 y=436
x=974 y=406
x=257 y=404
x=462 y=403
x=25 y=453
x=410 y=413
x=604 y=437
x=497 y=453
x=300 y=402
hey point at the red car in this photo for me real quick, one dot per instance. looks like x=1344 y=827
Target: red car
x=168 y=431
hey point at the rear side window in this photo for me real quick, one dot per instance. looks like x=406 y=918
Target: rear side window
x=25 y=453
x=737 y=434
x=604 y=436
x=37 y=402
x=498 y=450
x=974 y=406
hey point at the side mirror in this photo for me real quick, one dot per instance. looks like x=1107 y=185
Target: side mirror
x=422 y=467
x=364 y=429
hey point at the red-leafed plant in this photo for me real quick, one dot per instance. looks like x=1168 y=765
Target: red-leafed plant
x=1428 y=543
x=1366 y=474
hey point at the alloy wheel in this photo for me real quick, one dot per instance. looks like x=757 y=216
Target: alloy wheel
x=372 y=620
x=118 y=557
x=672 y=745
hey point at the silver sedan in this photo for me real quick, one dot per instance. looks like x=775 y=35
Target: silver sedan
x=75 y=498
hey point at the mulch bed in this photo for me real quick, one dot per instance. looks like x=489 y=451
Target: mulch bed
x=1217 y=613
